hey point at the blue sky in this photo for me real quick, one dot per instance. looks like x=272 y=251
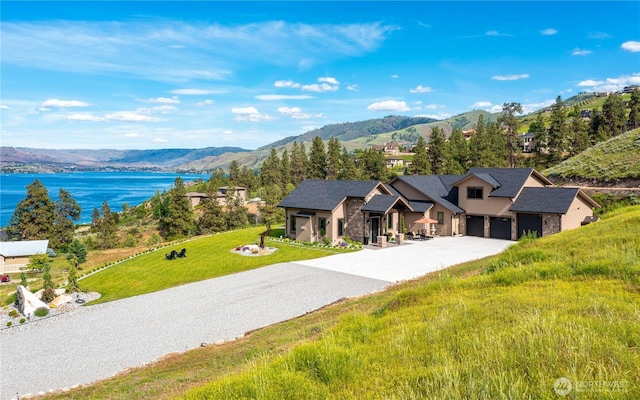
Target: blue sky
x=147 y=75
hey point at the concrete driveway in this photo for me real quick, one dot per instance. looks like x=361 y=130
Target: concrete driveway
x=96 y=342
x=411 y=260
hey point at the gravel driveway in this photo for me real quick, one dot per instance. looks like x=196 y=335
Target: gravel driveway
x=96 y=342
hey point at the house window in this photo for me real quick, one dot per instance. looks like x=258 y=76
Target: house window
x=440 y=217
x=292 y=224
x=341 y=227
x=322 y=222
x=390 y=221
x=474 y=193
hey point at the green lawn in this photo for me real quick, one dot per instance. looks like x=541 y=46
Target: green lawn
x=207 y=257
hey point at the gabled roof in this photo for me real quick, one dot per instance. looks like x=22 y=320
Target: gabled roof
x=382 y=203
x=550 y=200
x=23 y=248
x=421 y=206
x=326 y=195
x=507 y=182
x=438 y=188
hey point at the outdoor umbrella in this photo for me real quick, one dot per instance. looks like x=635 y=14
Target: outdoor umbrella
x=426 y=221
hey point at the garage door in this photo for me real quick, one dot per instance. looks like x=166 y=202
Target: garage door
x=475 y=225
x=500 y=228
x=529 y=222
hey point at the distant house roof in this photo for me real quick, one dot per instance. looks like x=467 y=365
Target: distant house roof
x=196 y=194
x=507 y=182
x=326 y=194
x=23 y=248
x=437 y=188
x=552 y=200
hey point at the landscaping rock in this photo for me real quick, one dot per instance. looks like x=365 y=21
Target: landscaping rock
x=28 y=302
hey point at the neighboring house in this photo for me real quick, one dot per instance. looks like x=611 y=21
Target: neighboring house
x=393 y=162
x=319 y=210
x=501 y=203
x=195 y=197
x=14 y=256
x=527 y=142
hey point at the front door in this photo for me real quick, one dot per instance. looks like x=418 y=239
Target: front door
x=375 y=229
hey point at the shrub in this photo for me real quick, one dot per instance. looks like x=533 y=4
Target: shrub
x=41 y=312
x=13 y=313
x=48 y=295
x=9 y=323
x=22 y=320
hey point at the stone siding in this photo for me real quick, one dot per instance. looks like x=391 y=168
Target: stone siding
x=354 y=219
x=551 y=224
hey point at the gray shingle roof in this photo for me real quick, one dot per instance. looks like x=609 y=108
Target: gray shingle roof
x=436 y=187
x=23 y=248
x=326 y=194
x=507 y=181
x=552 y=200
x=382 y=203
x=421 y=206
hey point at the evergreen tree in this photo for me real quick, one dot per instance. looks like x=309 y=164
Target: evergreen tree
x=285 y=168
x=179 y=221
x=317 y=159
x=420 y=164
x=480 y=144
x=510 y=123
x=597 y=132
x=538 y=128
x=106 y=229
x=95 y=217
x=79 y=251
x=73 y=285
x=299 y=163
x=269 y=211
x=248 y=179
x=271 y=170
x=459 y=153
x=348 y=170
x=212 y=216
x=437 y=151
x=373 y=166
x=333 y=158
x=236 y=214
x=634 y=108
x=497 y=155
x=614 y=115
x=67 y=211
x=558 y=132
x=234 y=173
x=33 y=217
x=579 y=134
x=217 y=180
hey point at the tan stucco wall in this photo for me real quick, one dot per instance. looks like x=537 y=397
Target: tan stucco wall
x=578 y=211
x=13 y=264
x=409 y=192
x=493 y=206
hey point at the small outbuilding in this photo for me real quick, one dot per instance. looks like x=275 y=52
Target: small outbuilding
x=14 y=256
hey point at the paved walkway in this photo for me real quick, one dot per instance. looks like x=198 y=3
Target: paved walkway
x=96 y=342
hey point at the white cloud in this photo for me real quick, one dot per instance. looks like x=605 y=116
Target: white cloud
x=4 y=107
x=286 y=84
x=84 y=117
x=492 y=33
x=196 y=92
x=611 y=84
x=134 y=134
x=548 y=32
x=434 y=106
x=580 y=52
x=250 y=114
x=228 y=132
x=164 y=100
x=481 y=104
x=389 y=105
x=55 y=103
x=509 y=77
x=320 y=87
x=631 y=46
x=395 y=76
x=165 y=109
x=276 y=97
x=204 y=103
x=421 y=89
x=296 y=113
x=141 y=115
x=435 y=116
x=598 y=35
x=353 y=88
x=159 y=140
x=329 y=80
x=531 y=107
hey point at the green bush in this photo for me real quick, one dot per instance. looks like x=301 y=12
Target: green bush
x=9 y=323
x=22 y=320
x=41 y=312
x=13 y=313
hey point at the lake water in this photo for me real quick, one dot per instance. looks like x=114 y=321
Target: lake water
x=89 y=189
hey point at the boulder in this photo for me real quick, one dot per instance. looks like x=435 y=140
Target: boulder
x=28 y=303
x=62 y=299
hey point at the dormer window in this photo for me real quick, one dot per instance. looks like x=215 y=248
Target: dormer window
x=474 y=193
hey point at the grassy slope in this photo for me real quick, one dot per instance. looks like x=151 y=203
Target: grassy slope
x=616 y=158
x=207 y=257
x=566 y=305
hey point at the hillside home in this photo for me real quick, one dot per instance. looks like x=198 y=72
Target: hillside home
x=221 y=195
x=14 y=256
x=527 y=142
x=326 y=210
x=499 y=203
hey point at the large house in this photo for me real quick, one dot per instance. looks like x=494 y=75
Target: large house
x=14 y=256
x=498 y=203
x=221 y=195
